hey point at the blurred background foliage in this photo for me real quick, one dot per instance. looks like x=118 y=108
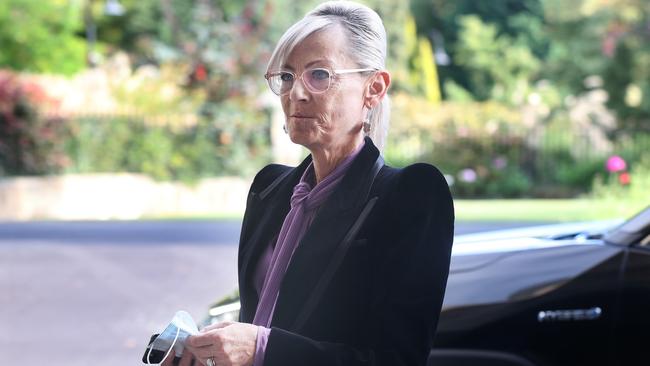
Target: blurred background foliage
x=510 y=98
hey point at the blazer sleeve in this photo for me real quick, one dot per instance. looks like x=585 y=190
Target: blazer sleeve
x=411 y=282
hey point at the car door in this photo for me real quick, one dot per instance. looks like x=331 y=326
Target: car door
x=550 y=306
x=633 y=318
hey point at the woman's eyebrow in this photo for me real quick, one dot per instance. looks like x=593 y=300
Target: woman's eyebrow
x=319 y=61
x=309 y=64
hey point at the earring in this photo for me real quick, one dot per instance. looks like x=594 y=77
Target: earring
x=366 y=121
x=366 y=125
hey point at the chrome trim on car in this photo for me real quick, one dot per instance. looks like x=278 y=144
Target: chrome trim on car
x=569 y=315
x=218 y=310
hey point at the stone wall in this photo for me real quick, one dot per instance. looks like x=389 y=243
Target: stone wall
x=117 y=196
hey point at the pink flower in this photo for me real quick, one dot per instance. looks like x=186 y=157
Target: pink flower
x=500 y=163
x=200 y=73
x=467 y=175
x=624 y=178
x=615 y=164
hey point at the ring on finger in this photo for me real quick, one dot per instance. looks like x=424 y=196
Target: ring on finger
x=210 y=362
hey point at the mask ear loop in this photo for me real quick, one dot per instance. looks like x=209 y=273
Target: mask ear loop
x=178 y=331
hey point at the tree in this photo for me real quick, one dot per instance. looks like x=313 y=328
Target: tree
x=518 y=20
x=500 y=67
x=608 y=39
x=42 y=36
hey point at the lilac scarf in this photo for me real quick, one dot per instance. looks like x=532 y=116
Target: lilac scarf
x=304 y=203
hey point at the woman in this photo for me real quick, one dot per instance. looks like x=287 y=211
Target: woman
x=342 y=260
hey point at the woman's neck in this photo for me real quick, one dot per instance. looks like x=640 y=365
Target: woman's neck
x=326 y=160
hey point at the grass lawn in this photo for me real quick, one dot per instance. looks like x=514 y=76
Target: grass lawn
x=545 y=209
x=540 y=210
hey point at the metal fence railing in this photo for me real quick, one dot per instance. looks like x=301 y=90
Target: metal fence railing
x=542 y=163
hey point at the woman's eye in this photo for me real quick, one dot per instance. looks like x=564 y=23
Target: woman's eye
x=320 y=74
x=285 y=76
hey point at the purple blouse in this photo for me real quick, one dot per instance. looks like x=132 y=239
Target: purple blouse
x=305 y=202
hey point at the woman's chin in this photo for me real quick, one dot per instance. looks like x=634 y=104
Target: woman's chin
x=303 y=137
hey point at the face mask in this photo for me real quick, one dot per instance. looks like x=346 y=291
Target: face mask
x=173 y=337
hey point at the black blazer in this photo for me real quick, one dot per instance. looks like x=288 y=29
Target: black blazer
x=365 y=284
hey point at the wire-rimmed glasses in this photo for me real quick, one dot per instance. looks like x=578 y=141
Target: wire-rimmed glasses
x=316 y=80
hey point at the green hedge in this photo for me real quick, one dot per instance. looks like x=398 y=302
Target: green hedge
x=488 y=152
x=228 y=138
x=229 y=142
x=30 y=144
x=484 y=147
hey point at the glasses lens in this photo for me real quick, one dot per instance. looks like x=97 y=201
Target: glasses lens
x=318 y=80
x=281 y=82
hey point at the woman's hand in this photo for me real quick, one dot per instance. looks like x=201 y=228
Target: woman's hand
x=227 y=343
x=186 y=360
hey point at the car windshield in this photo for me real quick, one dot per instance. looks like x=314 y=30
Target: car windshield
x=632 y=231
x=638 y=223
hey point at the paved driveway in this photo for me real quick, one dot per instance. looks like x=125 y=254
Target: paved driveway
x=91 y=293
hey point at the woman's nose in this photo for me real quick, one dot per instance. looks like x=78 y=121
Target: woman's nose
x=298 y=91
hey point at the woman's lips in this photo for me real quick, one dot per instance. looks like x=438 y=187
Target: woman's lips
x=300 y=117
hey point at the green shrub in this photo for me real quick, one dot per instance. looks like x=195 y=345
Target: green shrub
x=511 y=182
x=241 y=134
x=481 y=145
x=228 y=139
x=149 y=151
x=99 y=143
x=546 y=160
x=483 y=167
x=608 y=186
x=30 y=143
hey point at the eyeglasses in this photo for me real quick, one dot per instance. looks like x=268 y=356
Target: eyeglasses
x=316 y=80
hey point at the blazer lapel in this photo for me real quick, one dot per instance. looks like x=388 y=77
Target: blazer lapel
x=275 y=207
x=315 y=252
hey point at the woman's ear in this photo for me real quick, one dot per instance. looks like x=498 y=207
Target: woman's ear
x=377 y=88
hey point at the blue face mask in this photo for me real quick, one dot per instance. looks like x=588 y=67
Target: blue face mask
x=173 y=337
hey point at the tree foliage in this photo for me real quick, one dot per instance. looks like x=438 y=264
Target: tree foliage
x=41 y=36
x=544 y=60
x=500 y=67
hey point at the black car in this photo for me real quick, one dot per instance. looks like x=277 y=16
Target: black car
x=569 y=294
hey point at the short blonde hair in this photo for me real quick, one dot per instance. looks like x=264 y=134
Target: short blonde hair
x=367 y=40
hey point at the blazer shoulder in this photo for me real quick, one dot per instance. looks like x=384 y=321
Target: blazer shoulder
x=267 y=175
x=421 y=186
x=422 y=178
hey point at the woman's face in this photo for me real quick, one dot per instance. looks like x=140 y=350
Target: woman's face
x=332 y=119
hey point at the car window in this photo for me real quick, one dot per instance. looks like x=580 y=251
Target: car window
x=638 y=222
x=645 y=242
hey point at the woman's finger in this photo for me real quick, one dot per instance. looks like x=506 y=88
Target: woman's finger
x=217 y=326
x=187 y=359
x=211 y=345
x=199 y=340
x=169 y=360
x=204 y=352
